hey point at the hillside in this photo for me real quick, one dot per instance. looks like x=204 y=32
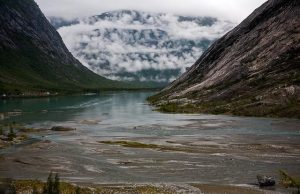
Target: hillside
x=33 y=57
x=252 y=70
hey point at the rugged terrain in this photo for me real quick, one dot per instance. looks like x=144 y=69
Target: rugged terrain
x=252 y=70
x=131 y=45
x=33 y=57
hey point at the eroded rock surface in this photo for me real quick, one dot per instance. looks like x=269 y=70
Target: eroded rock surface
x=252 y=70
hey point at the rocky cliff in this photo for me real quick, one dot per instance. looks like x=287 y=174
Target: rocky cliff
x=33 y=56
x=252 y=70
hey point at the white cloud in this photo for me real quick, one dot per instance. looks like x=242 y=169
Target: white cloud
x=123 y=44
x=234 y=10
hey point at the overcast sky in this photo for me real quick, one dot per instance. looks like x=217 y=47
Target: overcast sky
x=234 y=10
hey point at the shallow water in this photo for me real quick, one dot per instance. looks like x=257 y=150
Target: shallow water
x=213 y=149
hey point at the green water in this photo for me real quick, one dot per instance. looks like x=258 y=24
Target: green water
x=233 y=157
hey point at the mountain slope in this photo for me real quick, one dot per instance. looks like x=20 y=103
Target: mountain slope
x=33 y=56
x=133 y=45
x=252 y=70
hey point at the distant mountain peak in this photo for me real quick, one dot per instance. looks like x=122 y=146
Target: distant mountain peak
x=136 y=45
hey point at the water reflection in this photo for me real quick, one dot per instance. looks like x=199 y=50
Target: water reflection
x=65 y=108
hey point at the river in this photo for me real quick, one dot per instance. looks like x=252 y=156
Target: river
x=119 y=138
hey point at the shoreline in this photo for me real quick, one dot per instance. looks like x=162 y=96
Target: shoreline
x=27 y=186
x=14 y=96
x=173 y=108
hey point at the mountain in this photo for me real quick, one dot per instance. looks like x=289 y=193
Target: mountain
x=33 y=56
x=58 y=22
x=252 y=70
x=132 y=45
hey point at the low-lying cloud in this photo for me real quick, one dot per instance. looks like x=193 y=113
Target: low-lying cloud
x=122 y=44
x=234 y=10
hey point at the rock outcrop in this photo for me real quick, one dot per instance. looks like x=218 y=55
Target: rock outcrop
x=252 y=70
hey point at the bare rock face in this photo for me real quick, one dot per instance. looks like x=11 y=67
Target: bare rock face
x=252 y=70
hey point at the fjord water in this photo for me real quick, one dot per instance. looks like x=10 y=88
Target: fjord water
x=189 y=147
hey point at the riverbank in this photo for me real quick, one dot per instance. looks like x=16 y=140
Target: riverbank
x=28 y=186
x=44 y=94
x=246 y=107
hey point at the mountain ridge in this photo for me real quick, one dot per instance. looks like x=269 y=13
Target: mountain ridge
x=252 y=70
x=34 y=58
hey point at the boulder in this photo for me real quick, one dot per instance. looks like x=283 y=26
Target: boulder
x=264 y=180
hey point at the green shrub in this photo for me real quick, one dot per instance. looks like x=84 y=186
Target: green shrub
x=52 y=186
x=289 y=181
x=11 y=135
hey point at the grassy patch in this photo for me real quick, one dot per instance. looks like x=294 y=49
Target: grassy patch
x=31 y=130
x=131 y=144
x=172 y=107
x=245 y=106
x=228 y=189
x=187 y=149
x=289 y=181
x=27 y=186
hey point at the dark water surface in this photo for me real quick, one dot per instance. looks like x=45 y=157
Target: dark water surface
x=189 y=147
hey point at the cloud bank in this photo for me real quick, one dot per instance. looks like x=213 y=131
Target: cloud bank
x=131 y=45
x=234 y=10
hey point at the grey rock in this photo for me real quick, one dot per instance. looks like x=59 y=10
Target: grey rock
x=265 y=181
x=258 y=61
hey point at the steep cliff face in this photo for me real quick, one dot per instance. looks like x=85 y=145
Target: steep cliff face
x=252 y=70
x=33 y=55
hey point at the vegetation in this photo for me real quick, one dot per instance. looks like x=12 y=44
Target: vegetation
x=131 y=144
x=55 y=186
x=134 y=144
x=228 y=189
x=11 y=135
x=31 y=186
x=29 y=69
x=245 y=106
x=36 y=187
x=52 y=186
x=289 y=181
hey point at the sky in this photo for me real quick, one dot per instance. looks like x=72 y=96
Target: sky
x=233 y=10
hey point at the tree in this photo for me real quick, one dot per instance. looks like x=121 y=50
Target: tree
x=48 y=188
x=11 y=135
x=52 y=186
x=1 y=131
x=56 y=185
